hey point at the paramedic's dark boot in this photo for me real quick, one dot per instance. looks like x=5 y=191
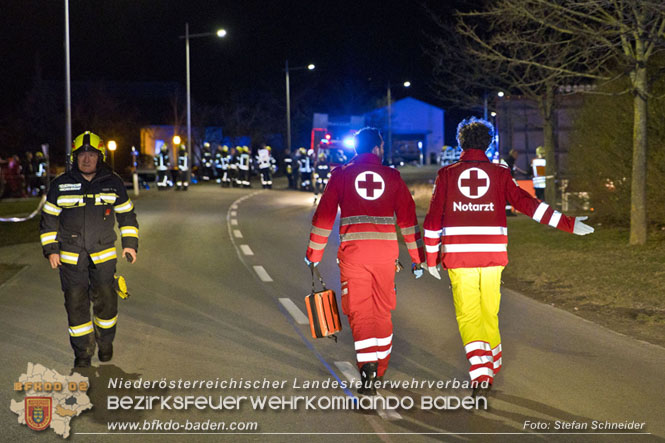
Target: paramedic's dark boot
x=105 y=352
x=368 y=377
x=482 y=390
x=82 y=362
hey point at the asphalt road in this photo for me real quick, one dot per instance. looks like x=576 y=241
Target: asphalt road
x=217 y=294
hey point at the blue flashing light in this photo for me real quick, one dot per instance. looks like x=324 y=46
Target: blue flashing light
x=349 y=142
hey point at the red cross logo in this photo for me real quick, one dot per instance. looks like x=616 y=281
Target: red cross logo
x=369 y=185
x=473 y=183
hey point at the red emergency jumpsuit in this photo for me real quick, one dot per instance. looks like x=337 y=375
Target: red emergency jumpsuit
x=467 y=212
x=372 y=198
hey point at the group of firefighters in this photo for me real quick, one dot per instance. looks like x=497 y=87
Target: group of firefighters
x=229 y=167
x=464 y=232
x=233 y=167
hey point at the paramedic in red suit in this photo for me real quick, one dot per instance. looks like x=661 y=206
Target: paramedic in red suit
x=372 y=199
x=467 y=213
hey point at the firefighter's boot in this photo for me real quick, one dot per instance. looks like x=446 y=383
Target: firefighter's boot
x=368 y=378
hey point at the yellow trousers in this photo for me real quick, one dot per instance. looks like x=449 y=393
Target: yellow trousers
x=477 y=295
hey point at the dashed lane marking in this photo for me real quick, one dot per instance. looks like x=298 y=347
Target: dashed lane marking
x=261 y=272
x=295 y=312
x=234 y=222
x=237 y=233
x=246 y=250
x=234 y=213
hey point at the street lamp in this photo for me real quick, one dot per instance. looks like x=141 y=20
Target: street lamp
x=389 y=151
x=288 y=99
x=219 y=33
x=112 y=145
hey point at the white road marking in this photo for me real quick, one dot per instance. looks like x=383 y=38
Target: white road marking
x=237 y=233
x=246 y=250
x=349 y=370
x=234 y=222
x=295 y=312
x=261 y=272
x=234 y=213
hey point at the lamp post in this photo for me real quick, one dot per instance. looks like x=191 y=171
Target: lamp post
x=219 y=33
x=288 y=98
x=68 y=94
x=112 y=145
x=389 y=151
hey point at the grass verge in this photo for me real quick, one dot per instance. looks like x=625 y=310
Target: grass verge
x=598 y=277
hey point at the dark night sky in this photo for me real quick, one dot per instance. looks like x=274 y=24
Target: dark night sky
x=119 y=40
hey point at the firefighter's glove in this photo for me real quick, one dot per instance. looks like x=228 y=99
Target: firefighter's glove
x=417 y=270
x=310 y=263
x=582 y=228
x=121 y=287
x=434 y=272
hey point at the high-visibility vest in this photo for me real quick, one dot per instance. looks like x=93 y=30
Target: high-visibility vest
x=538 y=166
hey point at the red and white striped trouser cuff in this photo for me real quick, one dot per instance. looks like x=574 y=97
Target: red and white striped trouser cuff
x=496 y=355
x=373 y=349
x=481 y=359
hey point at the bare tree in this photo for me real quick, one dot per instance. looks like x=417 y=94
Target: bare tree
x=542 y=43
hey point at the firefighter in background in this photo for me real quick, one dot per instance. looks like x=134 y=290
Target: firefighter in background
x=538 y=167
x=218 y=164
x=244 y=162
x=321 y=174
x=225 y=161
x=78 y=237
x=163 y=165
x=41 y=171
x=206 y=162
x=304 y=169
x=467 y=211
x=233 y=166
x=289 y=169
x=372 y=198
x=266 y=162
x=183 y=166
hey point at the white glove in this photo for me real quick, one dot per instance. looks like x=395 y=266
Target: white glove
x=582 y=228
x=434 y=272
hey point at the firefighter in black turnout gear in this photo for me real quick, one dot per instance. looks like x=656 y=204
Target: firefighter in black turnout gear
x=77 y=236
x=163 y=166
x=183 y=166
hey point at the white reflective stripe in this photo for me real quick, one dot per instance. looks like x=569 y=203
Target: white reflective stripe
x=476 y=373
x=366 y=356
x=69 y=199
x=366 y=343
x=540 y=211
x=48 y=237
x=320 y=231
x=129 y=231
x=345 y=291
x=429 y=248
x=69 y=257
x=475 y=230
x=77 y=331
x=383 y=354
x=476 y=247
x=316 y=246
x=107 y=198
x=554 y=220
x=52 y=209
x=476 y=346
x=352 y=236
x=480 y=359
x=410 y=230
x=496 y=350
x=106 y=324
x=497 y=363
x=369 y=342
x=102 y=256
x=125 y=207
x=433 y=234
